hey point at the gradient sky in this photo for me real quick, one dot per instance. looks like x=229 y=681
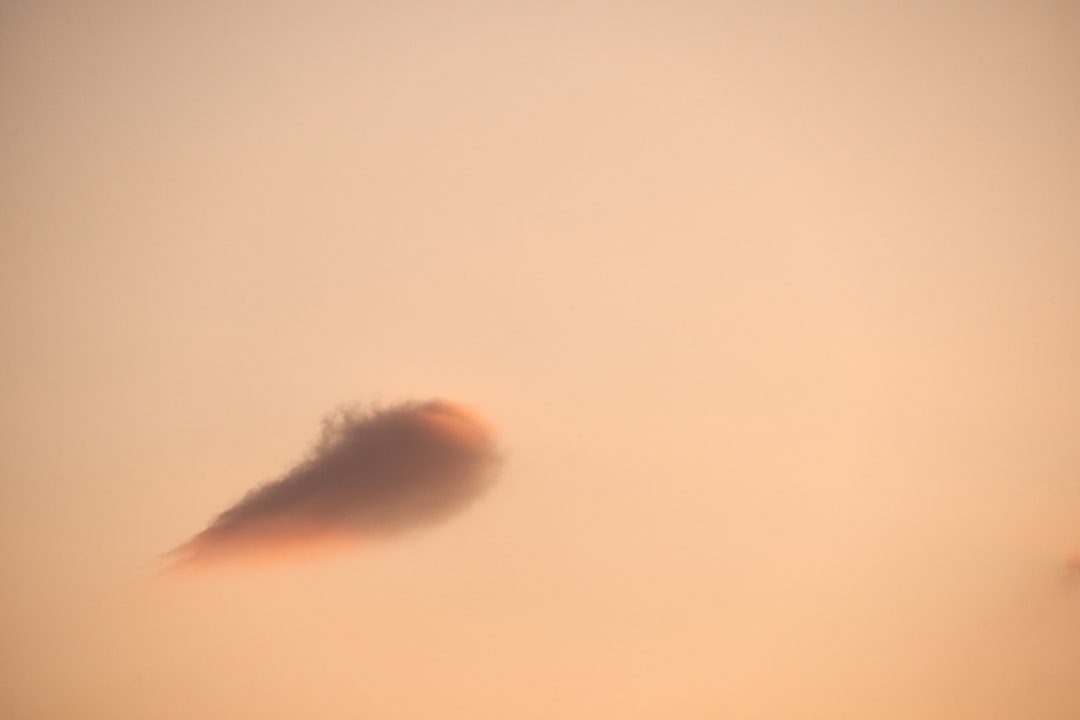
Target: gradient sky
x=776 y=305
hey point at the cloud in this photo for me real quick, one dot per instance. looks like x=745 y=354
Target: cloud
x=370 y=475
x=1071 y=571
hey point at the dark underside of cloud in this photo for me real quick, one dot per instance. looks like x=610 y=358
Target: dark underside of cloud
x=370 y=475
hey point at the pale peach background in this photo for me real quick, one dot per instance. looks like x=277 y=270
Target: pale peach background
x=777 y=306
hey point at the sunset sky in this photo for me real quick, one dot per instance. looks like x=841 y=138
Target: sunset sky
x=775 y=308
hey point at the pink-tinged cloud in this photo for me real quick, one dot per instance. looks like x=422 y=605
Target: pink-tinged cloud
x=369 y=476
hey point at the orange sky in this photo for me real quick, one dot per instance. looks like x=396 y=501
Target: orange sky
x=776 y=308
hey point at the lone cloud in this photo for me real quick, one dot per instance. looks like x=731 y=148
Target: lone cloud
x=370 y=475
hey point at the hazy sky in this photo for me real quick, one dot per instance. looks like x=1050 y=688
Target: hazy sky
x=776 y=307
